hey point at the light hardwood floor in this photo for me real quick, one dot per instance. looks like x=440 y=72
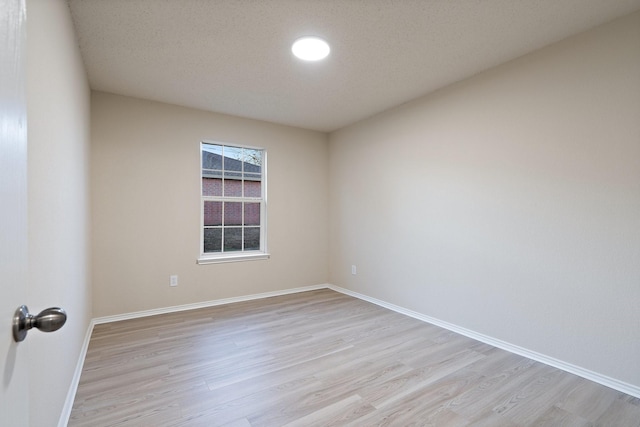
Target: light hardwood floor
x=322 y=358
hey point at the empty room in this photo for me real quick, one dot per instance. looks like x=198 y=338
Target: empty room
x=320 y=213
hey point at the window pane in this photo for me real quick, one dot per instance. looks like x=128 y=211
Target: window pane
x=212 y=213
x=212 y=239
x=252 y=185
x=211 y=157
x=232 y=185
x=233 y=239
x=252 y=214
x=211 y=170
x=232 y=159
x=252 y=238
x=211 y=187
x=232 y=213
x=252 y=160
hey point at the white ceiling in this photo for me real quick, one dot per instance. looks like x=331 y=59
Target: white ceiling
x=233 y=56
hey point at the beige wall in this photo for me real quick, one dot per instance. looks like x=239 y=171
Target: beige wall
x=145 y=187
x=58 y=197
x=508 y=204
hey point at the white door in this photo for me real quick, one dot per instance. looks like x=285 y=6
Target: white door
x=14 y=389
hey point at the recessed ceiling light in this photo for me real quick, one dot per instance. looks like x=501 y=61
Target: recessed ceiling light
x=310 y=48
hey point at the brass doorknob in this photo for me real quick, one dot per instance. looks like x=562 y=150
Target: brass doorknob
x=48 y=320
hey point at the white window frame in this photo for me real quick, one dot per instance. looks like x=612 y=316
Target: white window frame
x=242 y=255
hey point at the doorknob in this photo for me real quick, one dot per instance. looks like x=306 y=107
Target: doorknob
x=48 y=320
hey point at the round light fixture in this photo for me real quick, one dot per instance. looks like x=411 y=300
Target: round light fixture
x=310 y=48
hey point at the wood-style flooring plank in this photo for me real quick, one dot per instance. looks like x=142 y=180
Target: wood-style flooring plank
x=321 y=358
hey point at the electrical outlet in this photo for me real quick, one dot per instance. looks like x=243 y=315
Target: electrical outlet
x=354 y=271
x=173 y=280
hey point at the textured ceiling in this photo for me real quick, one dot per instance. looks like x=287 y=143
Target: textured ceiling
x=233 y=56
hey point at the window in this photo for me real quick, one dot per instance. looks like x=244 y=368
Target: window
x=233 y=205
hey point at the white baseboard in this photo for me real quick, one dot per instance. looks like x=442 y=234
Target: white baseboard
x=204 y=304
x=577 y=370
x=613 y=383
x=71 y=394
x=73 y=388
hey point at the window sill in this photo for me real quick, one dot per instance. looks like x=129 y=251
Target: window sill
x=218 y=259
